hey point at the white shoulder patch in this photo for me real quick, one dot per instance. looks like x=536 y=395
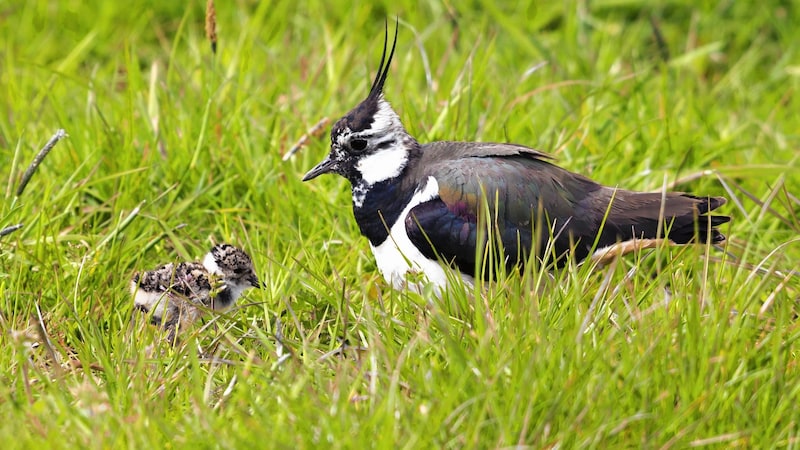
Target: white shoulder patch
x=397 y=255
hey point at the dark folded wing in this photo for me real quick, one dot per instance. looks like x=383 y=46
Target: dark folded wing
x=528 y=202
x=515 y=192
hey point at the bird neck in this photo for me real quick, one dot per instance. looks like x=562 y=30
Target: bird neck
x=223 y=299
x=380 y=208
x=381 y=189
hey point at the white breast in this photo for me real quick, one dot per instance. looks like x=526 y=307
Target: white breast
x=397 y=255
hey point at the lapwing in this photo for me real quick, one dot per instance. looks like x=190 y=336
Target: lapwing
x=175 y=294
x=423 y=207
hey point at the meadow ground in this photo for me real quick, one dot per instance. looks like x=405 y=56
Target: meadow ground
x=171 y=148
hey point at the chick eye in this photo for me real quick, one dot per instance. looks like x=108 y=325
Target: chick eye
x=358 y=144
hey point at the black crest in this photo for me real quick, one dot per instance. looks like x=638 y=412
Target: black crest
x=383 y=70
x=361 y=117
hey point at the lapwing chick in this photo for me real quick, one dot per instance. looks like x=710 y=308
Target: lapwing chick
x=175 y=294
x=424 y=206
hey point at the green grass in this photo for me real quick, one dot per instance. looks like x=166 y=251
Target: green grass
x=171 y=148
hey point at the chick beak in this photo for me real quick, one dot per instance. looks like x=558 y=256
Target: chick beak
x=253 y=280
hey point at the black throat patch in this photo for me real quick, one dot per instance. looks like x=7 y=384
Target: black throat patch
x=383 y=203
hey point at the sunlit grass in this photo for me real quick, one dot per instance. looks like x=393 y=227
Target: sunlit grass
x=172 y=148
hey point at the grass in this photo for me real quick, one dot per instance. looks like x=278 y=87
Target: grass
x=172 y=148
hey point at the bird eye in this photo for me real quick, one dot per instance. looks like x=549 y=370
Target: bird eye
x=358 y=144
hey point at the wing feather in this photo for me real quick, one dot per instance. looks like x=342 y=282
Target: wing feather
x=521 y=198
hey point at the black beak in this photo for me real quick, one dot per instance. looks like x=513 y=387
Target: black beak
x=326 y=166
x=255 y=283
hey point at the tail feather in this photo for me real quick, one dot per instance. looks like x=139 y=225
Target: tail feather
x=681 y=218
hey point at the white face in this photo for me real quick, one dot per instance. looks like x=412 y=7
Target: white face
x=153 y=302
x=386 y=155
x=384 y=164
x=236 y=285
x=368 y=145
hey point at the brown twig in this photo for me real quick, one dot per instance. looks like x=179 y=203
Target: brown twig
x=47 y=343
x=78 y=364
x=314 y=131
x=605 y=256
x=211 y=25
x=26 y=177
x=685 y=180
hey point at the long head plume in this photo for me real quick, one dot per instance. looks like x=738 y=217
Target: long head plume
x=359 y=132
x=383 y=70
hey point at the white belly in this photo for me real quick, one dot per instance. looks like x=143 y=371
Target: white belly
x=397 y=256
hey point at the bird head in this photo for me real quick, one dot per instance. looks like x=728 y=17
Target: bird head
x=233 y=265
x=369 y=144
